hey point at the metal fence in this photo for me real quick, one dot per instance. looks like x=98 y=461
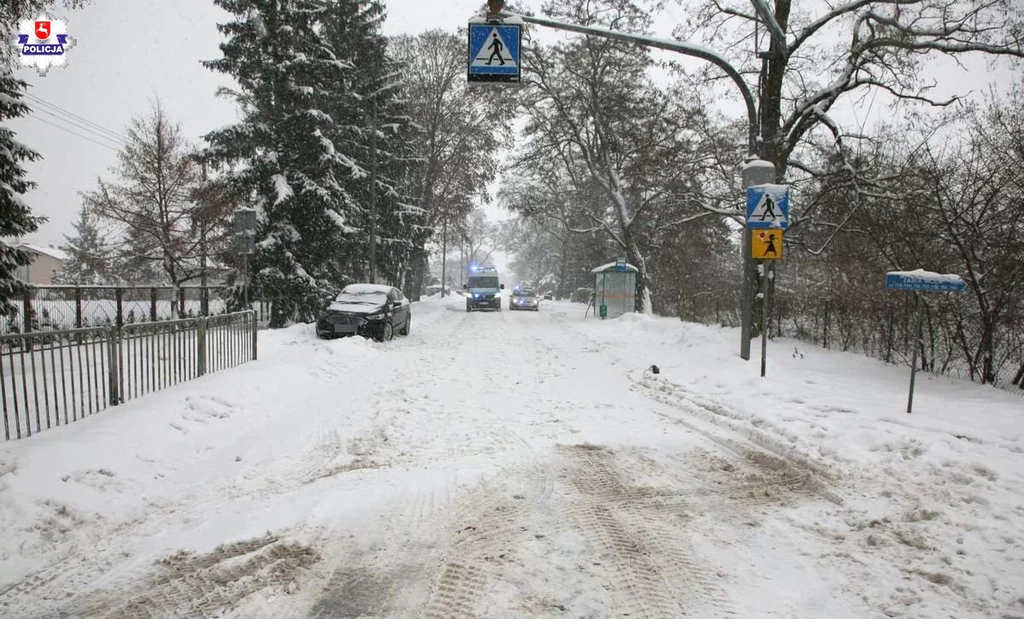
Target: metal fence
x=57 y=308
x=879 y=325
x=53 y=378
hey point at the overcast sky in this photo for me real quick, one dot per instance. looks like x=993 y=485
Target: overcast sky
x=129 y=52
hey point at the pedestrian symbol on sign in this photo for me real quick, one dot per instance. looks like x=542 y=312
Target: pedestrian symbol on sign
x=497 y=46
x=493 y=52
x=768 y=207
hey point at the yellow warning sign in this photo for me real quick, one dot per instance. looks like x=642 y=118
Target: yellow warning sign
x=766 y=244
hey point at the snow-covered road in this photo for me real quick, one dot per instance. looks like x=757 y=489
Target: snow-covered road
x=524 y=465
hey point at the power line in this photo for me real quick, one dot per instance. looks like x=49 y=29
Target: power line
x=98 y=126
x=93 y=125
x=85 y=128
x=73 y=133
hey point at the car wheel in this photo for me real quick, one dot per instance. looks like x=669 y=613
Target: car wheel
x=388 y=332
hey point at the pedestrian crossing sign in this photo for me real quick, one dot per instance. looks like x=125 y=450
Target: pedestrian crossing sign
x=766 y=244
x=494 y=52
x=768 y=207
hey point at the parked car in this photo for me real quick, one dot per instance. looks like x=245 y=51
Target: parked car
x=370 y=310
x=524 y=299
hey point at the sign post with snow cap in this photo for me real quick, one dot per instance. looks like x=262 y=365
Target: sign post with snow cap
x=921 y=281
x=767 y=217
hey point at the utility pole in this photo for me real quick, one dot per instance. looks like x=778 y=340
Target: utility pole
x=373 y=193
x=755 y=172
x=204 y=209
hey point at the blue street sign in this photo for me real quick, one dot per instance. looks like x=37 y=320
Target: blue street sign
x=494 y=52
x=919 y=280
x=767 y=207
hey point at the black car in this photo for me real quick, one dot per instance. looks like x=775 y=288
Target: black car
x=524 y=299
x=369 y=310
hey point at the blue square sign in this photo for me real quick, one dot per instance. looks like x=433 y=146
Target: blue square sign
x=494 y=52
x=767 y=207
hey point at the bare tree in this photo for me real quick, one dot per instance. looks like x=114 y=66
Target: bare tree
x=943 y=199
x=594 y=112
x=835 y=50
x=154 y=201
x=461 y=131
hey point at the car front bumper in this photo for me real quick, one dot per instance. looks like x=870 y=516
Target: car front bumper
x=484 y=301
x=345 y=325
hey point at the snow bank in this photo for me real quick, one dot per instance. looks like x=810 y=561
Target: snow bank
x=932 y=502
x=59 y=488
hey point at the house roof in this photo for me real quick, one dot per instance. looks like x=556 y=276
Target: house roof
x=52 y=252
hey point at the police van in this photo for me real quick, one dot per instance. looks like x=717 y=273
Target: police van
x=483 y=289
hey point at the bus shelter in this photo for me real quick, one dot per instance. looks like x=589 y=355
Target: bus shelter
x=614 y=289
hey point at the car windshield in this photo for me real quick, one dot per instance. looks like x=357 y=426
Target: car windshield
x=483 y=282
x=525 y=293
x=363 y=297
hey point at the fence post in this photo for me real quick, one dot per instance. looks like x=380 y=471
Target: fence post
x=119 y=293
x=200 y=345
x=26 y=310
x=113 y=347
x=152 y=304
x=78 y=307
x=824 y=340
x=255 y=331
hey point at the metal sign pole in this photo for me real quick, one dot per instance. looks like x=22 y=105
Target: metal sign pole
x=921 y=281
x=245 y=284
x=919 y=307
x=766 y=268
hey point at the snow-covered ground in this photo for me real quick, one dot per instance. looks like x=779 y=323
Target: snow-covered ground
x=525 y=465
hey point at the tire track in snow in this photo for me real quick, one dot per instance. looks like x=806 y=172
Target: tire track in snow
x=187 y=584
x=793 y=471
x=488 y=532
x=441 y=540
x=654 y=572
